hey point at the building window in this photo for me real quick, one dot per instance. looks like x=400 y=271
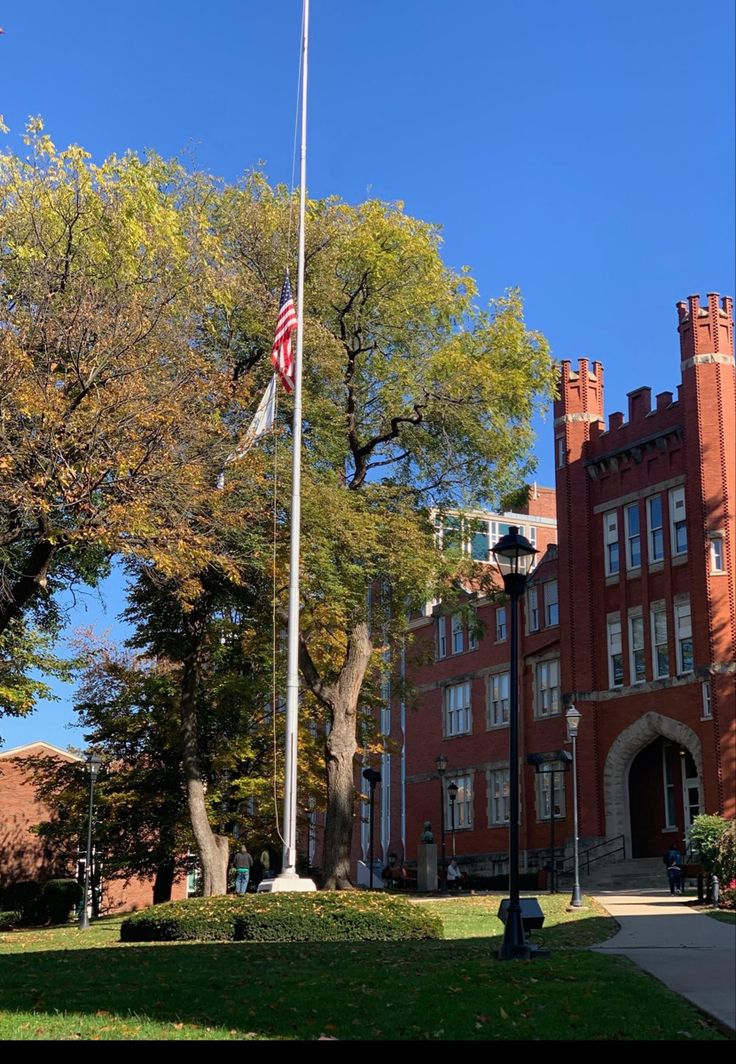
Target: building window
x=633 y=537
x=660 y=651
x=668 y=778
x=545 y=798
x=463 y=803
x=532 y=609
x=561 y=452
x=551 y=607
x=500 y=624
x=717 y=564
x=498 y=796
x=637 y=663
x=707 y=708
x=472 y=633
x=683 y=638
x=480 y=544
x=457 y=709
x=656 y=528
x=615 y=654
x=498 y=699
x=548 y=688
x=610 y=532
x=458 y=634
x=441 y=638
x=678 y=525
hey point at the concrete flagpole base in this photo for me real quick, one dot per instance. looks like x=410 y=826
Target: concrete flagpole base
x=284 y=884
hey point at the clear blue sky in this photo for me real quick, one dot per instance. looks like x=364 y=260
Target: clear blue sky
x=583 y=151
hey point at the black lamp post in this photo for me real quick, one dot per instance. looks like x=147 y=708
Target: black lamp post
x=373 y=776
x=514 y=556
x=93 y=765
x=452 y=789
x=441 y=763
x=572 y=718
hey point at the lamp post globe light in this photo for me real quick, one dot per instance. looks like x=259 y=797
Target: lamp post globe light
x=93 y=764
x=452 y=789
x=373 y=776
x=514 y=556
x=572 y=718
x=441 y=763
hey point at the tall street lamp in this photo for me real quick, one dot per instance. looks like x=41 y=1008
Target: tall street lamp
x=441 y=763
x=572 y=718
x=514 y=557
x=373 y=776
x=93 y=764
x=452 y=789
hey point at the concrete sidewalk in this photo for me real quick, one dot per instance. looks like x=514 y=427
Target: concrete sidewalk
x=690 y=953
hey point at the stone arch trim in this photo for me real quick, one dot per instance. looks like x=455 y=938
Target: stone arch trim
x=620 y=756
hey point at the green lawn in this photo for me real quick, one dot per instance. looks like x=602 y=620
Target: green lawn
x=67 y=984
x=724 y=915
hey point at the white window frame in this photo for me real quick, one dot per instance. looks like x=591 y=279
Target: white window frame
x=678 y=521
x=637 y=647
x=463 y=802
x=441 y=637
x=611 y=556
x=547 y=688
x=532 y=609
x=457 y=706
x=707 y=702
x=632 y=537
x=655 y=531
x=551 y=605
x=457 y=628
x=501 y=624
x=717 y=555
x=543 y=788
x=659 y=610
x=614 y=648
x=498 y=699
x=683 y=635
x=561 y=451
x=499 y=797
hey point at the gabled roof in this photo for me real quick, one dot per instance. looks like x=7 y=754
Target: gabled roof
x=39 y=746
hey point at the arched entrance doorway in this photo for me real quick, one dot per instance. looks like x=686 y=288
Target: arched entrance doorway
x=652 y=784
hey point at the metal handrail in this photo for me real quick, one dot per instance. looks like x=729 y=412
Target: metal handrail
x=616 y=844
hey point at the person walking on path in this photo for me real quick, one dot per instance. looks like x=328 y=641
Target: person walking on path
x=242 y=863
x=673 y=863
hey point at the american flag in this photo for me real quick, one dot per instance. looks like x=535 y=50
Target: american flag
x=281 y=353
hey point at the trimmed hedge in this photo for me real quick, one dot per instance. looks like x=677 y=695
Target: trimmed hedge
x=35 y=903
x=353 y=916
x=9 y=919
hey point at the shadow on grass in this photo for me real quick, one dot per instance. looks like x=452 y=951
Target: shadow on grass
x=437 y=990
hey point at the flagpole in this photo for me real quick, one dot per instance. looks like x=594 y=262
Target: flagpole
x=292 y=680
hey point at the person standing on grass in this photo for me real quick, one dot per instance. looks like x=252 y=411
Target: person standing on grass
x=242 y=863
x=673 y=863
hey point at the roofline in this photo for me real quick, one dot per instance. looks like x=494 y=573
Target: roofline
x=39 y=742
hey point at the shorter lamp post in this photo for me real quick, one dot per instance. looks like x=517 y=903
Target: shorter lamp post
x=452 y=789
x=93 y=764
x=514 y=556
x=441 y=763
x=373 y=776
x=572 y=718
x=550 y=764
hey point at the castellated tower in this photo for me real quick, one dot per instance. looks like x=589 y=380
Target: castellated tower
x=646 y=512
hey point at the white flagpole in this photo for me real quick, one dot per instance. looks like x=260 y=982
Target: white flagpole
x=292 y=681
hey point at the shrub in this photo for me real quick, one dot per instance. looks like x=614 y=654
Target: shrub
x=724 y=865
x=704 y=837
x=9 y=919
x=58 y=898
x=357 y=916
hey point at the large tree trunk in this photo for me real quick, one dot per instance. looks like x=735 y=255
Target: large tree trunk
x=340 y=749
x=213 y=849
x=35 y=572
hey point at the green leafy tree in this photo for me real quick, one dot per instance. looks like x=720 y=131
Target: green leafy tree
x=417 y=400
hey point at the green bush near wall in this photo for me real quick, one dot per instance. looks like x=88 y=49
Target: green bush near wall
x=34 y=904
x=352 y=916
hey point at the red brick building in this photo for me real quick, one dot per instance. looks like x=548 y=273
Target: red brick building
x=24 y=855
x=632 y=618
